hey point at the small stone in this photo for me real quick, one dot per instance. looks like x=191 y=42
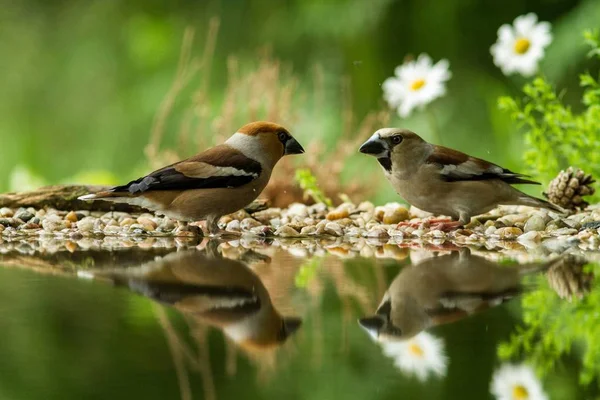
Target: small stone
x=261 y=230
x=6 y=212
x=334 y=229
x=535 y=223
x=249 y=223
x=565 y=232
x=491 y=230
x=531 y=236
x=436 y=233
x=233 y=226
x=53 y=223
x=508 y=233
x=353 y=232
x=366 y=206
x=127 y=222
x=395 y=215
x=24 y=216
x=145 y=221
x=379 y=233
x=308 y=230
x=6 y=222
x=342 y=211
x=86 y=224
x=418 y=213
x=287 y=231
x=298 y=210
x=112 y=230
x=71 y=216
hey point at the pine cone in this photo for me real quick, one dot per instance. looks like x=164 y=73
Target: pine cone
x=568 y=279
x=569 y=187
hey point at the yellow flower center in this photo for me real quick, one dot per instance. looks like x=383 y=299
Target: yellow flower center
x=417 y=84
x=415 y=350
x=520 y=393
x=522 y=45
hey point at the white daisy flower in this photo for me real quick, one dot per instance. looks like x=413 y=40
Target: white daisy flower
x=422 y=356
x=517 y=382
x=520 y=47
x=416 y=84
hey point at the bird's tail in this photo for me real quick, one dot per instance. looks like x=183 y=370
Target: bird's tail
x=104 y=195
x=526 y=200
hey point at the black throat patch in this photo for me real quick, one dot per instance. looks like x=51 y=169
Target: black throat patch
x=386 y=163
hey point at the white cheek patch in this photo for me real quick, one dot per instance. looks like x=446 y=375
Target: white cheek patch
x=249 y=146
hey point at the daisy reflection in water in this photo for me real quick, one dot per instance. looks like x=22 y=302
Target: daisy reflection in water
x=422 y=356
x=517 y=382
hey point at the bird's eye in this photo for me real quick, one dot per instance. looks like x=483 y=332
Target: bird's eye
x=282 y=136
x=396 y=139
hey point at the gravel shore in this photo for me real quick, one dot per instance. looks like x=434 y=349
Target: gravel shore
x=520 y=227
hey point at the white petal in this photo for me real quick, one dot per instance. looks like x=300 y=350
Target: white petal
x=406 y=108
x=440 y=71
x=505 y=33
x=524 y=24
x=423 y=62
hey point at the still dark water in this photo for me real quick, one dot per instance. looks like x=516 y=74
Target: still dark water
x=294 y=320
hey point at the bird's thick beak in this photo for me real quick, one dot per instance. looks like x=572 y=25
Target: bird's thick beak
x=292 y=147
x=374 y=147
x=371 y=325
x=291 y=325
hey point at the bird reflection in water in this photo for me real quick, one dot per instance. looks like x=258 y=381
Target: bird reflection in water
x=210 y=291
x=435 y=291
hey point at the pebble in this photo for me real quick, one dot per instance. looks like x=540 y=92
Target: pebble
x=287 y=231
x=342 y=211
x=6 y=212
x=233 y=226
x=127 y=222
x=298 y=210
x=535 y=223
x=531 y=236
x=508 y=233
x=71 y=216
x=86 y=224
x=53 y=223
x=334 y=229
x=24 y=216
x=249 y=223
x=395 y=215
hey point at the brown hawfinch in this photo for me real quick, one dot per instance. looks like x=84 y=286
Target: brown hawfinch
x=444 y=181
x=210 y=291
x=442 y=290
x=216 y=182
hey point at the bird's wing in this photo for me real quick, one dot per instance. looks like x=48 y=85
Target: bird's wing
x=456 y=166
x=218 y=167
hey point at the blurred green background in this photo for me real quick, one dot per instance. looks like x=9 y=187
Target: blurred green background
x=82 y=81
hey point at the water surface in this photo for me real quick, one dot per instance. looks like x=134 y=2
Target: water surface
x=286 y=319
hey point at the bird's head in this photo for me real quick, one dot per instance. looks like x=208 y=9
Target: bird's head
x=385 y=143
x=399 y=320
x=265 y=142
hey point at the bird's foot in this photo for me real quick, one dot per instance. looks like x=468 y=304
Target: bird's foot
x=417 y=224
x=446 y=226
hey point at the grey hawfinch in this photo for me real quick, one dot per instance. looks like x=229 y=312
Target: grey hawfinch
x=445 y=181
x=211 y=291
x=444 y=289
x=216 y=182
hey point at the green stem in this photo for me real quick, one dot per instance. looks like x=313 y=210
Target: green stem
x=434 y=126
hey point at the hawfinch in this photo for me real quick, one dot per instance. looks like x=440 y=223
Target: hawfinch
x=210 y=291
x=216 y=182
x=441 y=290
x=445 y=181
